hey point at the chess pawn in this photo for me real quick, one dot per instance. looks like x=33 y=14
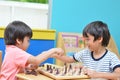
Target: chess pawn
x=80 y=69
x=70 y=70
x=76 y=70
x=60 y=73
x=83 y=70
x=69 y=67
x=54 y=70
x=64 y=69
x=47 y=67
x=42 y=67
x=70 y=73
x=50 y=70
x=57 y=71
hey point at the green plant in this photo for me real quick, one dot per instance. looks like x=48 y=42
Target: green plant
x=35 y=1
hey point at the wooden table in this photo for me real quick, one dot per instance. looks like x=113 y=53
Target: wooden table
x=44 y=76
x=22 y=76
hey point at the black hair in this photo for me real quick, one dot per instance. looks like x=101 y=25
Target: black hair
x=98 y=29
x=16 y=30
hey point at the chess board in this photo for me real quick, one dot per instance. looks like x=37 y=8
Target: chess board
x=59 y=72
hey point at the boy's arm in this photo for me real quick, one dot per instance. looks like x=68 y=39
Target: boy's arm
x=44 y=55
x=64 y=58
x=114 y=76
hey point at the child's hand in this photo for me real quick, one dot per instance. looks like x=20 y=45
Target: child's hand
x=89 y=72
x=31 y=69
x=57 y=52
x=31 y=66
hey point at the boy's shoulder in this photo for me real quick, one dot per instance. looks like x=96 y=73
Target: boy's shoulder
x=111 y=54
x=84 y=51
x=13 y=48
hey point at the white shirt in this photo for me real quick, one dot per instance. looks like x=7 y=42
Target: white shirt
x=107 y=63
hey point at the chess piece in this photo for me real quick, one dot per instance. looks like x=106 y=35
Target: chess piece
x=31 y=69
x=65 y=68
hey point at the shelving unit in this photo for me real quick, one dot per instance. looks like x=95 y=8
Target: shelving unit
x=70 y=43
x=34 y=14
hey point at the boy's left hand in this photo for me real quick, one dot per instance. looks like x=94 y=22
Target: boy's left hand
x=91 y=73
x=57 y=52
x=31 y=69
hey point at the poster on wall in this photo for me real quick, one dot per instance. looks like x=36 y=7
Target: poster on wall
x=73 y=41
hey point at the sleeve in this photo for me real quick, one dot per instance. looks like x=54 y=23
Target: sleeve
x=79 y=55
x=115 y=62
x=21 y=58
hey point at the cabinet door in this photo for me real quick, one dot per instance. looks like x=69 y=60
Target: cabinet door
x=42 y=45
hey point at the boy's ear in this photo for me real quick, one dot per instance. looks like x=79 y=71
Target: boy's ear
x=100 y=39
x=18 y=41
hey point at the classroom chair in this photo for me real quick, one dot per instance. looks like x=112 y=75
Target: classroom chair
x=113 y=47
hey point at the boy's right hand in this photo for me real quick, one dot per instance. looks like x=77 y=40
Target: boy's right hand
x=57 y=52
x=31 y=66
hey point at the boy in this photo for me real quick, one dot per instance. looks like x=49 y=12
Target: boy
x=17 y=36
x=100 y=62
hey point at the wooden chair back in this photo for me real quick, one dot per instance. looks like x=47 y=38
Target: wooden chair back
x=112 y=47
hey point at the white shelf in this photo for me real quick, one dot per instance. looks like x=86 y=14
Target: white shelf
x=24 y=5
x=34 y=14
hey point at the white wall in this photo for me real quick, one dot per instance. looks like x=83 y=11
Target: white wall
x=34 y=14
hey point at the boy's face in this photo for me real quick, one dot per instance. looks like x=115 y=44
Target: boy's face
x=91 y=44
x=24 y=44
